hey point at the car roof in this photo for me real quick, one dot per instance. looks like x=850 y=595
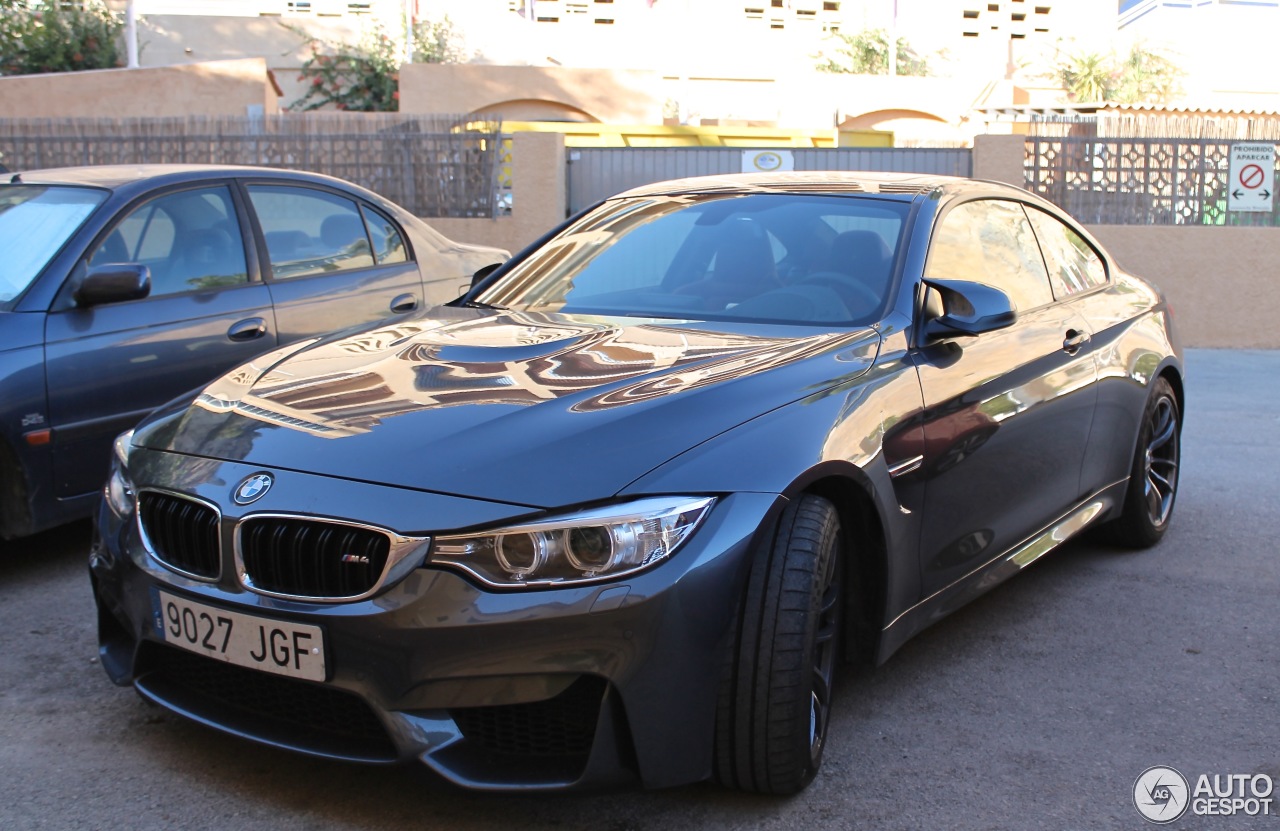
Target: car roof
x=117 y=176
x=839 y=182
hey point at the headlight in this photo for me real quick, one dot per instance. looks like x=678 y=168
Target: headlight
x=599 y=544
x=119 y=490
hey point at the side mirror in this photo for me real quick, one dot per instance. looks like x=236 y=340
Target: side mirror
x=114 y=283
x=478 y=277
x=968 y=309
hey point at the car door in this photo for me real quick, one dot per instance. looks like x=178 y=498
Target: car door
x=109 y=365
x=333 y=262
x=1007 y=413
x=1079 y=275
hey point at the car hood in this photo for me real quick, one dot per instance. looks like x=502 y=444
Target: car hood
x=532 y=409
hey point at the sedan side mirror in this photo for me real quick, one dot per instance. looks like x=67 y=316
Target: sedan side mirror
x=114 y=283
x=967 y=309
x=478 y=277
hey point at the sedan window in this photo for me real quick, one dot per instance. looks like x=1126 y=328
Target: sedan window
x=189 y=240
x=388 y=242
x=35 y=222
x=310 y=232
x=991 y=242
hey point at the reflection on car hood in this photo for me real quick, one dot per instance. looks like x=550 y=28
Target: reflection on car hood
x=541 y=410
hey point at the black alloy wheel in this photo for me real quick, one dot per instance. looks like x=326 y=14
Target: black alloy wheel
x=1153 y=478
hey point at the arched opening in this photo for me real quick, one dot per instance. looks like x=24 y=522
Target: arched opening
x=909 y=127
x=532 y=109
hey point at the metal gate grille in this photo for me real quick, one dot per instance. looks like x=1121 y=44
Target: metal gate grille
x=1137 y=181
x=597 y=172
x=1144 y=168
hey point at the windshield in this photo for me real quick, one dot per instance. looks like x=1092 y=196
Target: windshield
x=778 y=258
x=35 y=222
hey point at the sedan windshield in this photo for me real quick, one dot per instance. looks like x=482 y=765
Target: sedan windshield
x=35 y=222
x=778 y=258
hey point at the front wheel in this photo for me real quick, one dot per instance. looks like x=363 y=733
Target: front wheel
x=1153 y=477
x=775 y=699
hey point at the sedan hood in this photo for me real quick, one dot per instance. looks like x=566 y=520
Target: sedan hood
x=537 y=410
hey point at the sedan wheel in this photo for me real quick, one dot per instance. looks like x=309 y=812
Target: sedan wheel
x=775 y=701
x=1153 y=479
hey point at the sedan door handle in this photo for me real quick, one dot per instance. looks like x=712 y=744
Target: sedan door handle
x=1074 y=340
x=404 y=303
x=247 y=329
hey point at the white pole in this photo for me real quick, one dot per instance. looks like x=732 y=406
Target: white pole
x=893 y=41
x=408 y=21
x=131 y=35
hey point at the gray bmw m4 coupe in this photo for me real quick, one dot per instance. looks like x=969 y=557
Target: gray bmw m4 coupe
x=619 y=513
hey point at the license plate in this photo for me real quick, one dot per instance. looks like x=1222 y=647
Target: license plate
x=282 y=647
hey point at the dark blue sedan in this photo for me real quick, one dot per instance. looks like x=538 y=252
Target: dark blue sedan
x=122 y=287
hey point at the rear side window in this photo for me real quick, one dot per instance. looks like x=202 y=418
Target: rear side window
x=990 y=241
x=388 y=243
x=1074 y=266
x=310 y=232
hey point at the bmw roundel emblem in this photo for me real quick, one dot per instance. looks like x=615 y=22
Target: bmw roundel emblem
x=252 y=488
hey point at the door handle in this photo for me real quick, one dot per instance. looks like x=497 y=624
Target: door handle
x=404 y=303
x=247 y=329
x=1074 y=340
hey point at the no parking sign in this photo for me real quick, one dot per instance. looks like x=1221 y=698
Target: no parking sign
x=1252 y=177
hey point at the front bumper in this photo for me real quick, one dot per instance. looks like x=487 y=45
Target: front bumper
x=535 y=689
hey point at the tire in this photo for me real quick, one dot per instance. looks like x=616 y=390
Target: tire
x=1153 y=476
x=775 y=695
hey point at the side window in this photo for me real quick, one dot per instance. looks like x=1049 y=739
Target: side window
x=388 y=244
x=1074 y=266
x=309 y=231
x=190 y=240
x=991 y=241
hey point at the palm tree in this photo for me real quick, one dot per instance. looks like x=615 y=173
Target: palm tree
x=1087 y=77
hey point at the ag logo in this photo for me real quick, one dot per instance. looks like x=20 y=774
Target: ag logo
x=252 y=488
x=1161 y=794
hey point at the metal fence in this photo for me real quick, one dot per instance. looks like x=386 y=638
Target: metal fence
x=435 y=166
x=594 y=173
x=1138 y=181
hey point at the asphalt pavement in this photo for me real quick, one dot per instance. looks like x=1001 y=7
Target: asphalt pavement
x=1038 y=706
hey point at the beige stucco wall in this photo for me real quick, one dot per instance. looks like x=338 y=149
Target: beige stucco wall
x=1221 y=282
x=214 y=88
x=609 y=95
x=538 y=197
x=921 y=108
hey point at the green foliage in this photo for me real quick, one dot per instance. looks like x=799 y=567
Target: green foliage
x=1141 y=77
x=366 y=77
x=57 y=36
x=1148 y=77
x=867 y=53
x=1087 y=77
x=438 y=42
x=362 y=78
